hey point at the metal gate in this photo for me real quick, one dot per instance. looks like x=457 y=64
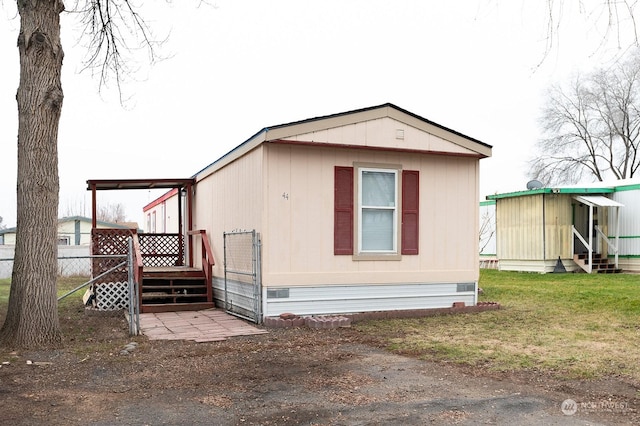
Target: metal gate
x=242 y=281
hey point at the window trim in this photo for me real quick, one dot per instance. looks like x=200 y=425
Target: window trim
x=395 y=254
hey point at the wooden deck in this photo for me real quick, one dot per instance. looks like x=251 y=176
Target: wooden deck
x=174 y=288
x=162 y=286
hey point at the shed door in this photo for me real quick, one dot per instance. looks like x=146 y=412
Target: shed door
x=581 y=223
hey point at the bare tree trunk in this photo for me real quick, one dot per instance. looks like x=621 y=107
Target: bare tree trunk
x=32 y=315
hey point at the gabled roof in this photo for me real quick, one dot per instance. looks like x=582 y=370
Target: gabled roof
x=284 y=131
x=122 y=225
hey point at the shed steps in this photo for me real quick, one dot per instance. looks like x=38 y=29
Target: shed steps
x=599 y=264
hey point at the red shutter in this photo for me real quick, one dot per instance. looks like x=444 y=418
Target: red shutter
x=410 y=211
x=343 y=211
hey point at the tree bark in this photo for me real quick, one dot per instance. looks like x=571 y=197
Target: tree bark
x=32 y=315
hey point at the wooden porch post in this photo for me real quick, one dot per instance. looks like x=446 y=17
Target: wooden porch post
x=180 y=230
x=590 y=237
x=617 y=234
x=94 y=209
x=190 y=221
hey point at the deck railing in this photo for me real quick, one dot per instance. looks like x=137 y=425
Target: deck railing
x=137 y=266
x=149 y=250
x=207 y=258
x=591 y=246
x=613 y=246
x=154 y=250
x=160 y=250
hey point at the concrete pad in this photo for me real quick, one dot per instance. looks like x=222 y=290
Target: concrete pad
x=209 y=325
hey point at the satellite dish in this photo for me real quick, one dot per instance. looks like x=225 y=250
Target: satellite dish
x=534 y=184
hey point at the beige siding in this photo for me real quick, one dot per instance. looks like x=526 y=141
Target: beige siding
x=298 y=227
x=540 y=266
x=228 y=200
x=519 y=228
x=170 y=219
x=166 y=214
x=558 y=220
x=386 y=133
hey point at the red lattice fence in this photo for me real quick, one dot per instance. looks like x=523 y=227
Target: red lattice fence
x=160 y=250
x=110 y=242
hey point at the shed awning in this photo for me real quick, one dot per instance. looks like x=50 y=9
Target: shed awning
x=597 y=201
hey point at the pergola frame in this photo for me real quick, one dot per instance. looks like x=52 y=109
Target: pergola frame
x=187 y=185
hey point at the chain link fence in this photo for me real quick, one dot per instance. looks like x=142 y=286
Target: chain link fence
x=102 y=293
x=6 y=267
x=73 y=261
x=242 y=282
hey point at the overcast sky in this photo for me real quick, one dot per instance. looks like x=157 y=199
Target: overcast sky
x=236 y=67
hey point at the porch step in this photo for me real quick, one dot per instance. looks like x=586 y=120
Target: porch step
x=609 y=271
x=173 y=275
x=595 y=257
x=173 y=287
x=174 y=296
x=599 y=265
x=168 y=289
x=171 y=307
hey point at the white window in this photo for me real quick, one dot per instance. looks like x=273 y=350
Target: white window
x=64 y=240
x=377 y=211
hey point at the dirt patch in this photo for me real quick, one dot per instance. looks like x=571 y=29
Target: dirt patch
x=288 y=376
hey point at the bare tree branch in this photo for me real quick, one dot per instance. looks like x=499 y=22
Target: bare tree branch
x=487 y=229
x=610 y=18
x=592 y=127
x=115 y=34
x=114 y=213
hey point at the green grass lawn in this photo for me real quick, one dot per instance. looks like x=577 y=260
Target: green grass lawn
x=575 y=325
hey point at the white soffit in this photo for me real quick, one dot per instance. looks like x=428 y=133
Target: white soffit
x=597 y=200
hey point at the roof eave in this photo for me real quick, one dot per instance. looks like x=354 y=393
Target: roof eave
x=287 y=130
x=551 y=191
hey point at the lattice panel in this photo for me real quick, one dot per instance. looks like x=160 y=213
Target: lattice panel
x=161 y=249
x=109 y=242
x=104 y=264
x=112 y=296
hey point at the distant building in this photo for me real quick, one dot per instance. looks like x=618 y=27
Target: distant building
x=72 y=231
x=591 y=227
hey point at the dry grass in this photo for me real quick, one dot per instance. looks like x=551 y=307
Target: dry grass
x=574 y=325
x=81 y=333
